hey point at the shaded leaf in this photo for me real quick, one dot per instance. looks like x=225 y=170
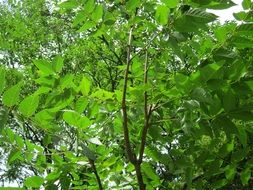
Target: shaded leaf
x=2 y=80
x=3 y=118
x=245 y=176
x=87 y=152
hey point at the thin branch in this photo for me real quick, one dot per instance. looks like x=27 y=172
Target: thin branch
x=93 y=166
x=129 y=151
x=147 y=111
x=108 y=45
x=109 y=69
x=146 y=46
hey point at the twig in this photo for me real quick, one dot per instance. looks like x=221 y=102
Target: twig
x=108 y=45
x=93 y=166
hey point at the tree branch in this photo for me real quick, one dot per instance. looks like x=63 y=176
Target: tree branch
x=108 y=45
x=129 y=151
x=147 y=111
x=93 y=166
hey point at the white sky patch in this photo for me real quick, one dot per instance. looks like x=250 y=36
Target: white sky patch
x=227 y=14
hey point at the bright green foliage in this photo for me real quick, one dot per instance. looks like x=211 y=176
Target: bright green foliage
x=44 y=67
x=11 y=95
x=125 y=95
x=162 y=14
x=34 y=181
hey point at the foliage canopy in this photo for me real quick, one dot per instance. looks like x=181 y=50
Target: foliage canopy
x=125 y=95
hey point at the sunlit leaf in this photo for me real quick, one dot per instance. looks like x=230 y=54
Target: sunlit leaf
x=34 y=181
x=29 y=105
x=11 y=95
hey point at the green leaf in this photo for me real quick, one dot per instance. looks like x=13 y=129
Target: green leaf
x=72 y=118
x=132 y=4
x=14 y=155
x=239 y=155
x=3 y=118
x=229 y=101
x=75 y=119
x=245 y=176
x=34 y=181
x=149 y=172
x=42 y=90
x=242 y=42
x=11 y=96
x=208 y=72
x=88 y=153
x=110 y=161
x=85 y=86
x=58 y=63
x=181 y=81
x=109 y=19
x=89 y=6
x=219 y=183
x=66 y=81
x=84 y=122
x=245 y=29
x=242 y=115
x=241 y=16
x=193 y=19
x=246 y=4
x=221 y=34
x=87 y=25
x=29 y=105
x=201 y=95
x=191 y=104
x=44 y=116
x=226 y=124
x=98 y=13
x=2 y=80
x=200 y=16
x=51 y=187
x=242 y=135
x=46 y=81
x=53 y=176
x=188 y=176
x=70 y=4
x=162 y=14
x=44 y=67
x=65 y=182
x=171 y=3
x=213 y=4
x=80 y=17
x=81 y=104
x=230 y=172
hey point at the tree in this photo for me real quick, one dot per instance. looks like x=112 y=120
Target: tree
x=126 y=95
